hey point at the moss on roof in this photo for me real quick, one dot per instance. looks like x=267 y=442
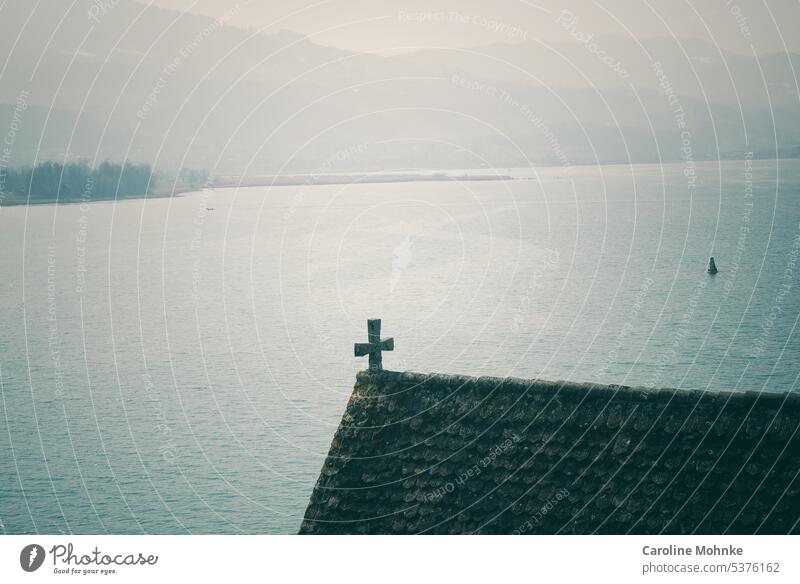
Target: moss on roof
x=419 y=453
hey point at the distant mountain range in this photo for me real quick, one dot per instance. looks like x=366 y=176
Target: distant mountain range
x=181 y=90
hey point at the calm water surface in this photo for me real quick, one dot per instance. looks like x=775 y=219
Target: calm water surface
x=173 y=366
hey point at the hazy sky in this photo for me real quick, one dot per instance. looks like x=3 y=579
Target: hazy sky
x=377 y=25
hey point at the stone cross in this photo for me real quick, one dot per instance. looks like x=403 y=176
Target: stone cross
x=374 y=346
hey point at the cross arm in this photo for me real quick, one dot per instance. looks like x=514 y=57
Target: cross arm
x=362 y=349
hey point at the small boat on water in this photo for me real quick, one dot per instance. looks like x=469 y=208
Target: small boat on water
x=712 y=267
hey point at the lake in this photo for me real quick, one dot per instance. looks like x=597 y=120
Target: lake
x=180 y=365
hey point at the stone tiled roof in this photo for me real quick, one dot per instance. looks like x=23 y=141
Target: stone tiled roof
x=421 y=453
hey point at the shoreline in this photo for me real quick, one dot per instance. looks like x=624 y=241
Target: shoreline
x=14 y=202
x=268 y=181
x=289 y=180
x=226 y=182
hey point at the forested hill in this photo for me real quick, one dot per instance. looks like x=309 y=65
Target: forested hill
x=182 y=90
x=75 y=181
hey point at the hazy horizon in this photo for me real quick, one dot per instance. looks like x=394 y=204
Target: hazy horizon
x=377 y=26
x=441 y=85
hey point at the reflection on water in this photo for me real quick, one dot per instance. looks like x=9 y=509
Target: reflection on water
x=173 y=366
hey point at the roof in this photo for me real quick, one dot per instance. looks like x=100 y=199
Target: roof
x=419 y=453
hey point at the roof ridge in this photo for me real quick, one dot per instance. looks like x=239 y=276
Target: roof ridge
x=567 y=388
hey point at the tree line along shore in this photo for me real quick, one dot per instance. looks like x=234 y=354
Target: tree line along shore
x=56 y=182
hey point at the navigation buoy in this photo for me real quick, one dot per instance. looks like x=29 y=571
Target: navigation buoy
x=712 y=267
